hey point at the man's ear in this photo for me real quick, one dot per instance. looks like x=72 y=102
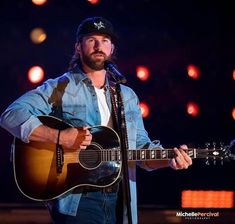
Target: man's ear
x=77 y=47
x=112 y=48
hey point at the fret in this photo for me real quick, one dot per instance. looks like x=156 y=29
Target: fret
x=191 y=152
x=194 y=153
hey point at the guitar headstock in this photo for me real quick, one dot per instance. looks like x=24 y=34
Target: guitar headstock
x=214 y=153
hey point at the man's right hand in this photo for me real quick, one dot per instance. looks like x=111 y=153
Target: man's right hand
x=75 y=138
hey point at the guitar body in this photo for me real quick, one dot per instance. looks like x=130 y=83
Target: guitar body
x=35 y=164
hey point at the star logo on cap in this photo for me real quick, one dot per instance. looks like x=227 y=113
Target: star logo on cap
x=99 y=25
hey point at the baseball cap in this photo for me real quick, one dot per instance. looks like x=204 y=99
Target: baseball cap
x=95 y=25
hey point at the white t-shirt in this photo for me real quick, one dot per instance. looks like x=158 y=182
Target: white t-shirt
x=105 y=114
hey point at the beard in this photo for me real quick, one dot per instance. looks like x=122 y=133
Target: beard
x=96 y=64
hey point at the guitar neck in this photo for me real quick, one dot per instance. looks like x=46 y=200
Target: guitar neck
x=144 y=154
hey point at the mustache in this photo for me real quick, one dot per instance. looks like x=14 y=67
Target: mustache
x=98 y=52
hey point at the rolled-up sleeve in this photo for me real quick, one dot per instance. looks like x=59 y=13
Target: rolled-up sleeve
x=20 y=118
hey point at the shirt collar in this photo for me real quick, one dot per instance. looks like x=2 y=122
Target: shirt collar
x=79 y=75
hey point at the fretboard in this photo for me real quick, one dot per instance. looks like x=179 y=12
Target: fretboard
x=143 y=154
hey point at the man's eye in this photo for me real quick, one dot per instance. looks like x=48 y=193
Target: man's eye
x=90 y=40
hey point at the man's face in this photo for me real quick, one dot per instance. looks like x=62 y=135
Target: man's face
x=94 y=50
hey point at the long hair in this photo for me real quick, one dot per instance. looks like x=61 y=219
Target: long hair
x=75 y=61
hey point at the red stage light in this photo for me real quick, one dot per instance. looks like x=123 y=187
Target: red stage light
x=192 y=109
x=93 y=2
x=144 y=109
x=142 y=73
x=234 y=74
x=35 y=74
x=38 y=35
x=39 y=2
x=193 y=71
x=233 y=113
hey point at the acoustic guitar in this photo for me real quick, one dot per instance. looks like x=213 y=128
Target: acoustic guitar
x=43 y=172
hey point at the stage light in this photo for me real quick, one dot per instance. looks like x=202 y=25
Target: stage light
x=193 y=71
x=234 y=74
x=39 y=2
x=142 y=73
x=144 y=109
x=93 y=2
x=233 y=113
x=192 y=109
x=38 y=35
x=35 y=74
x=207 y=199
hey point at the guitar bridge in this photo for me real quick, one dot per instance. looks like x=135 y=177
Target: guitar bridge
x=59 y=158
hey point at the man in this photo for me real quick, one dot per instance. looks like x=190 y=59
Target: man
x=82 y=98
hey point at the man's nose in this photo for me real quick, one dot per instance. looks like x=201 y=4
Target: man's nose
x=97 y=44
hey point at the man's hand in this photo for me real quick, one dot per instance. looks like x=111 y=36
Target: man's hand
x=75 y=138
x=181 y=160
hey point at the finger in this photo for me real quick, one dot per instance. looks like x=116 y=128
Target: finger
x=83 y=146
x=83 y=129
x=184 y=147
x=172 y=164
x=180 y=163
x=180 y=160
x=88 y=137
x=86 y=128
x=86 y=143
x=180 y=153
x=185 y=156
x=177 y=152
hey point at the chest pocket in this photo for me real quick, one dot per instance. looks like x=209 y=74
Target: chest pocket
x=75 y=115
x=131 y=124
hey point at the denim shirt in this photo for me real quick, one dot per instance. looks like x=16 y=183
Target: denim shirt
x=79 y=108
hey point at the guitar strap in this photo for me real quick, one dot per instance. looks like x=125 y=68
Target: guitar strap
x=119 y=121
x=56 y=100
x=56 y=97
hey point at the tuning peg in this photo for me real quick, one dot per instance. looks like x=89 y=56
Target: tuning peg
x=207 y=162
x=214 y=162
x=207 y=144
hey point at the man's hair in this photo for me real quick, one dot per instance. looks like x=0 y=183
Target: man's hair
x=75 y=61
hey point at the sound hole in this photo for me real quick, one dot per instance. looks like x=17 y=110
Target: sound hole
x=90 y=158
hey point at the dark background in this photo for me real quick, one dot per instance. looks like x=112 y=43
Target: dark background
x=165 y=36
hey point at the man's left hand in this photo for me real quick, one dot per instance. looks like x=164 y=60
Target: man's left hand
x=182 y=160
